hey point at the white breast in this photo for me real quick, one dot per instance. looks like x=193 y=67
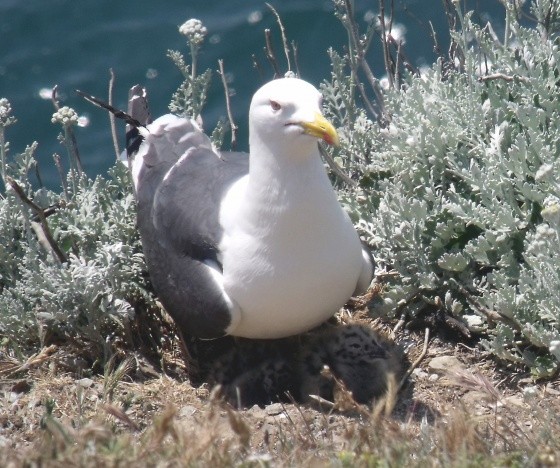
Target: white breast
x=290 y=255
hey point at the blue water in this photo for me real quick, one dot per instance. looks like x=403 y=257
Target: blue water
x=74 y=43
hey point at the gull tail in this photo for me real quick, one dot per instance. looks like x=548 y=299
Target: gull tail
x=138 y=115
x=139 y=111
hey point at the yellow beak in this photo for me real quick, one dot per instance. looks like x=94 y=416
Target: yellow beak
x=321 y=128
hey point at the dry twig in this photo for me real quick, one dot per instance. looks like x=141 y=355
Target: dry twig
x=283 y=34
x=418 y=360
x=112 y=117
x=32 y=361
x=40 y=212
x=336 y=168
x=270 y=55
x=228 y=105
x=503 y=76
x=359 y=61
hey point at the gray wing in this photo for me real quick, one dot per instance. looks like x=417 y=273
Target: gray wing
x=181 y=232
x=180 y=183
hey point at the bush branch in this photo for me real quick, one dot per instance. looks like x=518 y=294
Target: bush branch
x=45 y=230
x=112 y=117
x=270 y=55
x=228 y=105
x=283 y=34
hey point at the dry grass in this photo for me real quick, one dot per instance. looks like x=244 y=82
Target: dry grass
x=54 y=418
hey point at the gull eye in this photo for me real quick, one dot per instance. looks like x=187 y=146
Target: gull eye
x=275 y=106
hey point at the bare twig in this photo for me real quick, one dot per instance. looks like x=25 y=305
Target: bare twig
x=112 y=117
x=366 y=100
x=397 y=327
x=228 y=105
x=418 y=359
x=56 y=250
x=54 y=97
x=296 y=58
x=359 y=61
x=38 y=174
x=257 y=66
x=336 y=168
x=269 y=51
x=398 y=63
x=490 y=314
x=386 y=53
x=74 y=148
x=322 y=401
x=58 y=164
x=31 y=362
x=502 y=76
x=404 y=302
x=283 y=34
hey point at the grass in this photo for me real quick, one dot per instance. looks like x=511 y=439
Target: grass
x=122 y=418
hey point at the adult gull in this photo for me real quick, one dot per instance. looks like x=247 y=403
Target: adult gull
x=252 y=245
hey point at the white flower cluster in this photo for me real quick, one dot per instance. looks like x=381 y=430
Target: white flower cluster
x=5 y=111
x=194 y=30
x=65 y=116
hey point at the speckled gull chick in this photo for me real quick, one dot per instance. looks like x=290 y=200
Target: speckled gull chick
x=255 y=245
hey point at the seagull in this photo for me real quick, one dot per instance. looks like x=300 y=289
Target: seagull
x=251 y=245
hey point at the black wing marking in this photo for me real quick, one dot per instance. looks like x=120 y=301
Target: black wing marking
x=113 y=110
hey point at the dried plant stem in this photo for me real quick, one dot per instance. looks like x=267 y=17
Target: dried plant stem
x=357 y=60
x=72 y=146
x=56 y=250
x=336 y=168
x=112 y=117
x=502 y=76
x=270 y=55
x=54 y=99
x=32 y=361
x=490 y=315
x=283 y=34
x=228 y=105
x=257 y=66
x=296 y=57
x=60 y=170
x=418 y=359
x=398 y=326
x=386 y=53
x=2 y=155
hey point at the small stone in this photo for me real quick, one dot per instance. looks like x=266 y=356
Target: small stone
x=187 y=411
x=445 y=364
x=420 y=374
x=257 y=412
x=274 y=409
x=514 y=401
x=433 y=377
x=475 y=398
x=85 y=382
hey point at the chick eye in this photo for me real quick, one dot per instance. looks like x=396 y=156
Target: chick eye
x=275 y=106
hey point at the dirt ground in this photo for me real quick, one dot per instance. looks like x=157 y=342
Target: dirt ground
x=43 y=401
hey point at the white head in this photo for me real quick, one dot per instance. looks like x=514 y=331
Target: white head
x=286 y=113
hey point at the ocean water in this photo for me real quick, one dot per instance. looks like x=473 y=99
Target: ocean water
x=73 y=44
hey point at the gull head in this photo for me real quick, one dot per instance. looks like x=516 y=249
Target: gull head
x=287 y=113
